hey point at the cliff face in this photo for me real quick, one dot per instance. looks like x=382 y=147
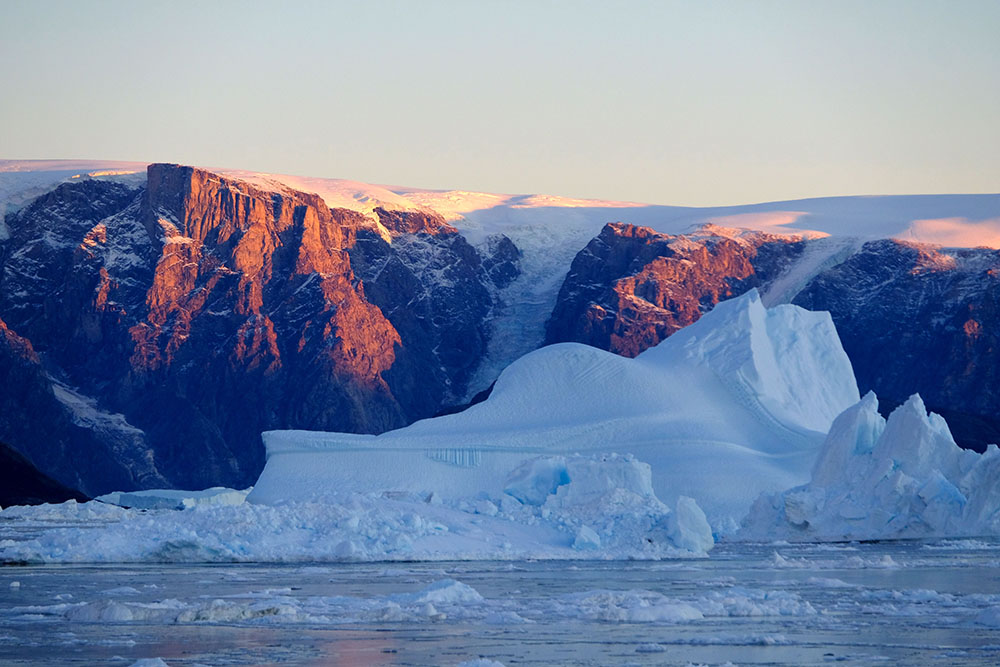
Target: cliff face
x=912 y=318
x=60 y=430
x=206 y=310
x=631 y=287
x=915 y=318
x=22 y=484
x=150 y=332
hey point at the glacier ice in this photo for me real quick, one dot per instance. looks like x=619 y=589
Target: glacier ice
x=735 y=405
x=604 y=509
x=174 y=498
x=879 y=479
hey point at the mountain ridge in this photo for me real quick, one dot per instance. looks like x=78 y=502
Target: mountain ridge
x=177 y=313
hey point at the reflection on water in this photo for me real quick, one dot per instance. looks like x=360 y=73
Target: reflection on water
x=912 y=603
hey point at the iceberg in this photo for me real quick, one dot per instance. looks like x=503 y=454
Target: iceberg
x=882 y=479
x=735 y=405
x=174 y=499
x=605 y=509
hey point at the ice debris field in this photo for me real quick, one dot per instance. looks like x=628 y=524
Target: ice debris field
x=747 y=425
x=931 y=602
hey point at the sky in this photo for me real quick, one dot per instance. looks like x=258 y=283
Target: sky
x=691 y=103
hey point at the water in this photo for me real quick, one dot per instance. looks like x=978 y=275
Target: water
x=897 y=603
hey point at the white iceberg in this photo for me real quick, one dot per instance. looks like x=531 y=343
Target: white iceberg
x=589 y=516
x=168 y=499
x=732 y=406
x=879 y=479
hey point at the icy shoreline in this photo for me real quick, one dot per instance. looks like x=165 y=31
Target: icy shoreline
x=589 y=517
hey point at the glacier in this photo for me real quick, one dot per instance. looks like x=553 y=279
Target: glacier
x=732 y=406
x=886 y=479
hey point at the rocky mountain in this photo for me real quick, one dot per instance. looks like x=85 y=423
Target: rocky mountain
x=912 y=317
x=189 y=312
x=631 y=287
x=919 y=318
x=153 y=324
x=22 y=484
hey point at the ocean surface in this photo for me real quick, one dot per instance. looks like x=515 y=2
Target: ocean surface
x=935 y=602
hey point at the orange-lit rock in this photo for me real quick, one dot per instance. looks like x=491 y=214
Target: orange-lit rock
x=631 y=287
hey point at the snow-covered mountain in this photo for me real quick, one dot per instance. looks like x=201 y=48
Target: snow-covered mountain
x=178 y=314
x=163 y=319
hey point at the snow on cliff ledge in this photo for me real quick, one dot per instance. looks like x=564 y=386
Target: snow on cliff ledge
x=878 y=479
x=735 y=405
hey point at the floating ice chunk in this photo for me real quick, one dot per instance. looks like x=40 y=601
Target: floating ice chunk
x=108 y=612
x=688 y=528
x=650 y=648
x=734 y=405
x=633 y=607
x=895 y=478
x=990 y=617
x=480 y=662
x=448 y=591
x=150 y=662
x=608 y=501
x=175 y=499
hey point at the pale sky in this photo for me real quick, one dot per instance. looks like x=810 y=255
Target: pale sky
x=696 y=103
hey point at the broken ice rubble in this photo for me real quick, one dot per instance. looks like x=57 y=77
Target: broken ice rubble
x=879 y=479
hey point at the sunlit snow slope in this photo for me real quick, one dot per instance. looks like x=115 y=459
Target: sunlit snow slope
x=734 y=405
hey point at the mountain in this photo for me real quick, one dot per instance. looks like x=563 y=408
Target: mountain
x=631 y=287
x=22 y=484
x=187 y=312
x=157 y=318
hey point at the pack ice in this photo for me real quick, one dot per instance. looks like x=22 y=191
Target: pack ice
x=879 y=479
x=732 y=406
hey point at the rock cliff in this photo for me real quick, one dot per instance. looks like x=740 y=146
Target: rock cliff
x=202 y=310
x=631 y=287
